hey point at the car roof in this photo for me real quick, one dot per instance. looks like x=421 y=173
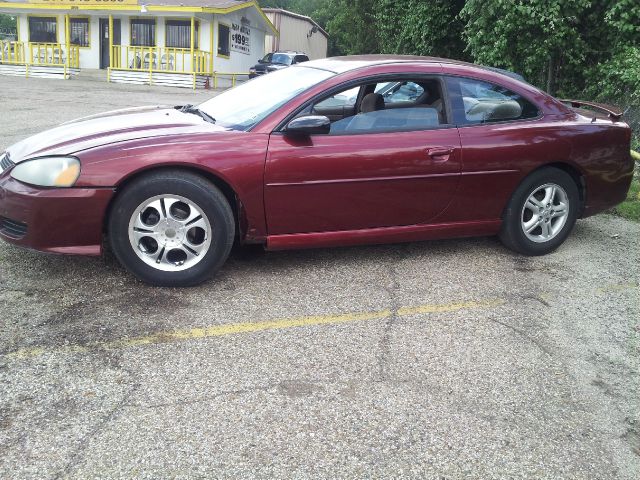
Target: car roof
x=352 y=62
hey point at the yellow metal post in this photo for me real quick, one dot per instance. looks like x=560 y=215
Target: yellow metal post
x=211 y=46
x=193 y=60
x=67 y=38
x=110 y=48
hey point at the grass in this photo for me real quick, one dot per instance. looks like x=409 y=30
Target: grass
x=630 y=208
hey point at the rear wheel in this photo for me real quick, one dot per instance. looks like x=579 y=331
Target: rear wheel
x=171 y=228
x=541 y=212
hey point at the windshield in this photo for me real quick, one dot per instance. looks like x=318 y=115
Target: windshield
x=267 y=58
x=244 y=106
x=282 y=58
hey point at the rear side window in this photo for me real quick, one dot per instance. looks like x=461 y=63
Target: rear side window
x=475 y=102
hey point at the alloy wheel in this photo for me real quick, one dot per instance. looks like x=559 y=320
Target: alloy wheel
x=545 y=213
x=170 y=233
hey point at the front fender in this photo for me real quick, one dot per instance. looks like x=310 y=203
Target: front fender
x=235 y=158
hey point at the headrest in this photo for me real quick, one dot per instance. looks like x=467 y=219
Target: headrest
x=372 y=103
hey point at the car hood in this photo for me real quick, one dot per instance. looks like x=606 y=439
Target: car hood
x=109 y=127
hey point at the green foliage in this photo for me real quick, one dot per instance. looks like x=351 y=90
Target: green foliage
x=7 y=23
x=617 y=78
x=537 y=38
x=630 y=208
x=416 y=27
x=352 y=26
x=624 y=16
x=575 y=48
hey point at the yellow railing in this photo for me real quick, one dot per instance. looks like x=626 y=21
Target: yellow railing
x=48 y=54
x=53 y=54
x=230 y=76
x=160 y=59
x=12 y=52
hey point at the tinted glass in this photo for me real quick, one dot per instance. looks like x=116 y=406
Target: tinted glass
x=178 y=34
x=400 y=105
x=244 y=106
x=397 y=92
x=397 y=119
x=475 y=101
x=223 y=39
x=143 y=32
x=79 y=29
x=282 y=58
x=43 y=29
x=346 y=98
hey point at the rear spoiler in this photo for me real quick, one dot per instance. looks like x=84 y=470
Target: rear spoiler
x=614 y=113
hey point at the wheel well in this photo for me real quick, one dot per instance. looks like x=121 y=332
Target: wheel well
x=578 y=178
x=225 y=188
x=573 y=172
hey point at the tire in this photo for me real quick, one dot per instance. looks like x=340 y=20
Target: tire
x=171 y=228
x=533 y=222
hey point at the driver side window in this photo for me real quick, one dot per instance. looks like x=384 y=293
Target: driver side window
x=389 y=106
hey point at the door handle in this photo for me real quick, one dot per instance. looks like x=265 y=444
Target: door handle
x=440 y=154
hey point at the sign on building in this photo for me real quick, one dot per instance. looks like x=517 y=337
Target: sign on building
x=241 y=38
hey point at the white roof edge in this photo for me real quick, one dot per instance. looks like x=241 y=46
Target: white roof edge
x=296 y=15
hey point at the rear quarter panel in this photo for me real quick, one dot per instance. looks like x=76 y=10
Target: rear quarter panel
x=497 y=157
x=602 y=149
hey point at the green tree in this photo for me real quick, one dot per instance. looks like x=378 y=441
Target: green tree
x=538 y=38
x=416 y=27
x=624 y=17
x=352 y=26
x=7 y=23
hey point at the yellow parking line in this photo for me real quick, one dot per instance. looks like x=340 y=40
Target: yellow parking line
x=249 y=327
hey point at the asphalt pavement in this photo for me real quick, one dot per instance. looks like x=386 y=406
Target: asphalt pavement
x=443 y=359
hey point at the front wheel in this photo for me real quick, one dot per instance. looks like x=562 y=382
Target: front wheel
x=171 y=228
x=541 y=212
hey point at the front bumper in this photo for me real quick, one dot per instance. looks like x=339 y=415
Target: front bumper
x=55 y=220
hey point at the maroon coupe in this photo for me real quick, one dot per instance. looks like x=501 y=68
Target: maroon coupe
x=340 y=151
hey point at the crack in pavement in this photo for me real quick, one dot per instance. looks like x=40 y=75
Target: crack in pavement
x=392 y=290
x=76 y=457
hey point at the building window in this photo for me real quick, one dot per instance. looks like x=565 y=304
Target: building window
x=43 y=29
x=178 y=34
x=79 y=28
x=143 y=32
x=223 y=39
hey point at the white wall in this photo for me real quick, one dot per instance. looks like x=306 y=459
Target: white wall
x=236 y=63
x=240 y=62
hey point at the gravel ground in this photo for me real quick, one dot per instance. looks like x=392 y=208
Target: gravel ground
x=467 y=361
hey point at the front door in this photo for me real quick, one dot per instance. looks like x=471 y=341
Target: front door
x=350 y=182
x=104 y=39
x=395 y=162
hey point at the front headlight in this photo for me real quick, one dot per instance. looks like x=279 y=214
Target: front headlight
x=48 y=171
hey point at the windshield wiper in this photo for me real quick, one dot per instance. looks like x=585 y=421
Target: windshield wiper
x=196 y=111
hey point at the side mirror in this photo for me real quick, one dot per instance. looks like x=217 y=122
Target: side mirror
x=309 y=125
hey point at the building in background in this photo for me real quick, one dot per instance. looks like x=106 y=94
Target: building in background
x=167 y=42
x=297 y=32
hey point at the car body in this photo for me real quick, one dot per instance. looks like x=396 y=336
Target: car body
x=277 y=61
x=290 y=181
